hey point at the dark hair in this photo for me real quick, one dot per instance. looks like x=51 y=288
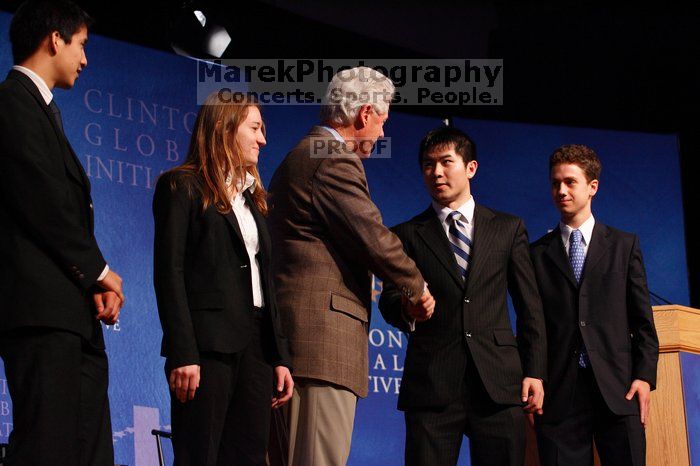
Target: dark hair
x=579 y=155
x=36 y=19
x=446 y=137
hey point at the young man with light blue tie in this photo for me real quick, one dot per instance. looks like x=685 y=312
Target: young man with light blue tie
x=603 y=347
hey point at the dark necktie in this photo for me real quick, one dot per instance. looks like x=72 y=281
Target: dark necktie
x=56 y=115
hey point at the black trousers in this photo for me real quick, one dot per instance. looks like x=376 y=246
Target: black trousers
x=496 y=432
x=620 y=440
x=60 y=410
x=228 y=421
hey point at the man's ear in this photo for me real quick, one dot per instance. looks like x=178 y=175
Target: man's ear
x=53 y=42
x=472 y=166
x=363 y=115
x=592 y=188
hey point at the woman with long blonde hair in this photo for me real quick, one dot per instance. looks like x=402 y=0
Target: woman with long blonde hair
x=227 y=360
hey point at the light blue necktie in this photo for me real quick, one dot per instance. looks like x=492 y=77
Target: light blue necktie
x=461 y=244
x=577 y=259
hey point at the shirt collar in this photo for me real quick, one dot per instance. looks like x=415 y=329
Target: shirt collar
x=466 y=209
x=586 y=230
x=249 y=183
x=38 y=82
x=334 y=133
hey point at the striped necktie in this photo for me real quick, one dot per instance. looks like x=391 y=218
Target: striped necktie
x=461 y=244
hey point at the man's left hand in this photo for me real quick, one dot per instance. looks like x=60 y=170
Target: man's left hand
x=284 y=386
x=532 y=393
x=643 y=390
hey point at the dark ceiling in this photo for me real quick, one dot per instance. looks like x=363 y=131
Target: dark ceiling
x=586 y=64
x=629 y=67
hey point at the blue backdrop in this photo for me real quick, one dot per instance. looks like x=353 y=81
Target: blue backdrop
x=129 y=118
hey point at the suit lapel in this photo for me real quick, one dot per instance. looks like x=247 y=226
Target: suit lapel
x=596 y=250
x=483 y=235
x=233 y=221
x=70 y=160
x=77 y=172
x=263 y=237
x=555 y=251
x=261 y=224
x=433 y=234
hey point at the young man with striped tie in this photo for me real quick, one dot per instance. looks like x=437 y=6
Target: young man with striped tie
x=603 y=347
x=465 y=372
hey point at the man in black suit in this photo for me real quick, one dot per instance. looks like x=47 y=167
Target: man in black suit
x=465 y=372
x=603 y=347
x=55 y=286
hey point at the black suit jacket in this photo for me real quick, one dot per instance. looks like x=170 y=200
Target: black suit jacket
x=609 y=310
x=49 y=258
x=470 y=318
x=202 y=276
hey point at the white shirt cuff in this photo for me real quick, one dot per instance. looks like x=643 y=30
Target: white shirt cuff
x=103 y=274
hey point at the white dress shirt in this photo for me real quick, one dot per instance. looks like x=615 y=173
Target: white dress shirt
x=334 y=133
x=467 y=217
x=48 y=97
x=38 y=82
x=249 y=231
x=586 y=230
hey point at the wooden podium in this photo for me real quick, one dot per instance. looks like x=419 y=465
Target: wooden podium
x=667 y=431
x=678 y=328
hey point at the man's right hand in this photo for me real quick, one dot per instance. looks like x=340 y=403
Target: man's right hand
x=423 y=309
x=184 y=381
x=113 y=282
x=108 y=305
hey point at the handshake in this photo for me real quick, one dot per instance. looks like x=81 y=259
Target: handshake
x=421 y=310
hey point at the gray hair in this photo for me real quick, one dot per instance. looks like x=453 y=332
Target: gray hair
x=351 y=89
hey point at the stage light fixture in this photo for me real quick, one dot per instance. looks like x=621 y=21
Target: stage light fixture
x=194 y=32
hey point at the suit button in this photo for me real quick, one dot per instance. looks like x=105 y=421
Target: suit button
x=91 y=206
x=74 y=268
x=244 y=266
x=468 y=334
x=466 y=300
x=81 y=276
x=583 y=323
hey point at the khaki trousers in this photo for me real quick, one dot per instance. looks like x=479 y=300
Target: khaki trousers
x=314 y=427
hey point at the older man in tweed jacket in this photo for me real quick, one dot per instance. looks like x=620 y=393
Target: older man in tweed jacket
x=327 y=237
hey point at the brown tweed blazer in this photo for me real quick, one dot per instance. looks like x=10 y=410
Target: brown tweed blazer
x=327 y=236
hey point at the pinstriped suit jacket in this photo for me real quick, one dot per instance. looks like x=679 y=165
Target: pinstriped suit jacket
x=473 y=316
x=327 y=236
